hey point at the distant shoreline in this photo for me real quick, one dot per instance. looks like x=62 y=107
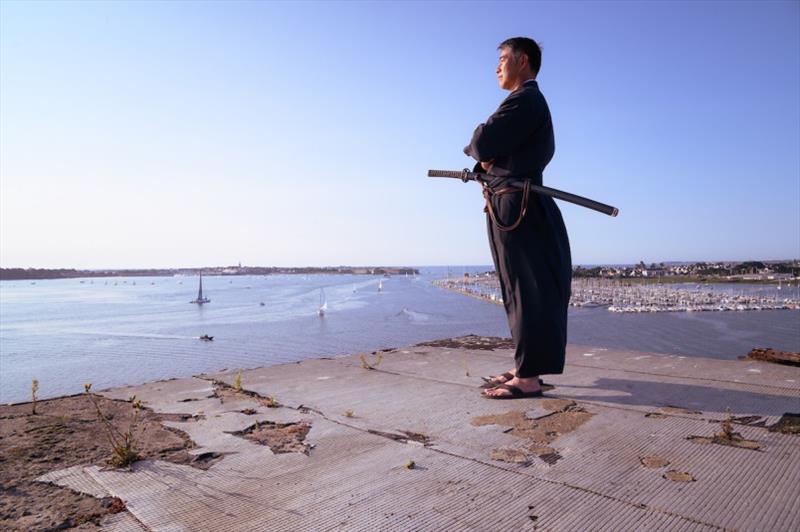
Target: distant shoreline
x=25 y=274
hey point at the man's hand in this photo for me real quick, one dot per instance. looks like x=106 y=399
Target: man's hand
x=486 y=165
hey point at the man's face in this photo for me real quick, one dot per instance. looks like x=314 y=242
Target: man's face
x=509 y=68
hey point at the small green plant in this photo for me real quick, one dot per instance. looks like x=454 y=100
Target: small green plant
x=270 y=402
x=367 y=365
x=726 y=425
x=410 y=464
x=237 y=383
x=348 y=413
x=122 y=443
x=34 y=389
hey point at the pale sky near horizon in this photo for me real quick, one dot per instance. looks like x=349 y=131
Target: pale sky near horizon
x=181 y=134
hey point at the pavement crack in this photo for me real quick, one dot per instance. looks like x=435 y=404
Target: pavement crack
x=404 y=440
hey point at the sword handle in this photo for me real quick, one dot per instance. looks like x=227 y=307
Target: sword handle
x=464 y=175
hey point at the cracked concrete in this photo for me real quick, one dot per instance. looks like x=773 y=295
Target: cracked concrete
x=634 y=413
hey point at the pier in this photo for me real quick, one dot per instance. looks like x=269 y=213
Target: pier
x=625 y=441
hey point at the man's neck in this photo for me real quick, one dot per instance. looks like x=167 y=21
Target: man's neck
x=522 y=81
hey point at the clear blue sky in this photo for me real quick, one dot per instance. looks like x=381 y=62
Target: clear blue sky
x=151 y=134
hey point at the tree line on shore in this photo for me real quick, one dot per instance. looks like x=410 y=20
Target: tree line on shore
x=11 y=274
x=697 y=269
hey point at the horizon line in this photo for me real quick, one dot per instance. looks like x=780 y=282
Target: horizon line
x=450 y=265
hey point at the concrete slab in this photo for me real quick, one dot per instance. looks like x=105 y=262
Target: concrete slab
x=77 y=479
x=630 y=463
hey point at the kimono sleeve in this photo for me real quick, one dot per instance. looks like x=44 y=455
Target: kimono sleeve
x=504 y=131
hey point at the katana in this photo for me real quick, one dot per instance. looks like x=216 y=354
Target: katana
x=465 y=175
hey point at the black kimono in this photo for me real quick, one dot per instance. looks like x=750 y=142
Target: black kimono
x=533 y=260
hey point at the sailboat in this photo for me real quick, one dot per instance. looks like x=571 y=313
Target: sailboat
x=200 y=299
x=380 y=285
x=323 y=303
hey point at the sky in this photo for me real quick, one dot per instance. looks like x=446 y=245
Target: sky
x=186 y=134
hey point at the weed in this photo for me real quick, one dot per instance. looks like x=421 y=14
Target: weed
x=34 y=389
x=122 y=443
x=410 y=464
x=237 y=383
x=348 y=413
x=367 y=365
x=727 y=427
x=270 y=402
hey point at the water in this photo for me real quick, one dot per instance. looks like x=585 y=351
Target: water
x=68 y=332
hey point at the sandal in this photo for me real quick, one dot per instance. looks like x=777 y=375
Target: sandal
x=516 y=393
x=489 y=382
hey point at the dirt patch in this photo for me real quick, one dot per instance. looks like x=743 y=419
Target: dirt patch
x=788 y=424
x=565 y=417
x=766 y=354
x=728 y=437
x=481 y=343
x=279 y=437
x=224 y=391
x=513 y=456
x=66 y=432
x=735 y=441
x=678 y=476
x=653 y=462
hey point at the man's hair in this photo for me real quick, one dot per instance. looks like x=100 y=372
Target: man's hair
x=527 y=46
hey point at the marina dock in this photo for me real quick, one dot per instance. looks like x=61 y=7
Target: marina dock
x=403 y=440
x=624 y=296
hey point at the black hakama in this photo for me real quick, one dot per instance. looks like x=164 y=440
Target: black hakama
x=533 y=260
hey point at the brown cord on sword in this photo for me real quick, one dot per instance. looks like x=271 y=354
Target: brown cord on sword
x=488 y=193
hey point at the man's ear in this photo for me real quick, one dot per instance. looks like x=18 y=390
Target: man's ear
x=522 y=60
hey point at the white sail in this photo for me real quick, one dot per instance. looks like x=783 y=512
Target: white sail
x=200 y=299
x=323 y=302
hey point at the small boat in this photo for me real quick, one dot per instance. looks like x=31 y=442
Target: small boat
x=207 y=338
x=323 y=303
x=380 y=285
x=200 y=299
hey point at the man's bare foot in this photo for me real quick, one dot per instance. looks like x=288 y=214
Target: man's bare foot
x=525 y=385
x=501 y=379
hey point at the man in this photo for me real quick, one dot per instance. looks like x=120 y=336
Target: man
x=527 y=236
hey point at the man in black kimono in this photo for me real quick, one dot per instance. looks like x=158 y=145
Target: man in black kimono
x=527 y=235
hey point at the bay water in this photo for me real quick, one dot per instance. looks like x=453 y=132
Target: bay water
x=116 y=331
